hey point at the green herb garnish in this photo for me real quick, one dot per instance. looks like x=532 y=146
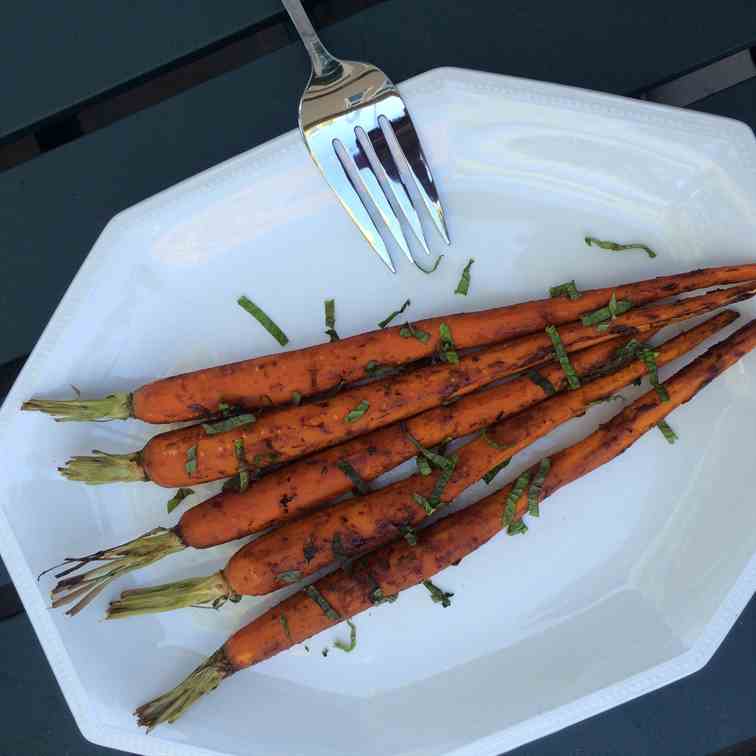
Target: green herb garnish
x=423 y=466
x=464 y=282
x=542 y=382
x=261 y=460
x=493 y=443
x=409 y=534
x=536 y=487
x=433 y=268
x=285 y=625
x=322 y=602
x=356 y=413
x=330 y=319
x=436 y=459
x=191 y=460
x=567 y=289
x=561 y=354
x=178 y=497
x=375 y=369
x=667 y=431
x=290 y=576
x=494 y=471
x=649 y=359
x=441 y=483
x=610 y=312
x=296 y=398
x=228 y=424
x=437 y=595
x=424 y=502
x=614 y=247
x=357 y=481
x=378 y=597
x=243 y=472
x=510 y=505
x=348 y=647
x=517 y=528
x=408 y=331
x=447 y=350
x=394 y=314
x=263 y=320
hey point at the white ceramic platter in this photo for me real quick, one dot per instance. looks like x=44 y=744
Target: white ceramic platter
x=629 y=580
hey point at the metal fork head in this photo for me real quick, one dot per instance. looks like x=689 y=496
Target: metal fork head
x=362 y=138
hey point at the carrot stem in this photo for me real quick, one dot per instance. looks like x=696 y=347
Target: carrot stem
x=113 y=407
x=105 y=468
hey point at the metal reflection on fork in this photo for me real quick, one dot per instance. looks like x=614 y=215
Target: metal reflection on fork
x=361 y=136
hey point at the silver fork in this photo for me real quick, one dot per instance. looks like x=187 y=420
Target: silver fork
x=361 y=136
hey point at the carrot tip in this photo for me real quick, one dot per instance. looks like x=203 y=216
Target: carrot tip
x=112 y=407
x=104 y=468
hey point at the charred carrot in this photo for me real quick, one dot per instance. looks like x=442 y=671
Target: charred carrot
x=400 y=565
x=304 y=546
x=199 y=453
x=299 y=487
x=274 y=379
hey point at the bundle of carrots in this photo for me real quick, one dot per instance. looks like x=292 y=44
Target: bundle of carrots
x=509 y=375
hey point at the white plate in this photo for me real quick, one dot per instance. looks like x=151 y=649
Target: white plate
x=629 y=580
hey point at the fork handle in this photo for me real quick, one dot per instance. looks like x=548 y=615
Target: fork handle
x=323 y=63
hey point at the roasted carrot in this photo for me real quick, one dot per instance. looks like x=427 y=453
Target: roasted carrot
x=400 y=565
x=304 y=546
x=196 y=455
x=273 y=379
x=299 y=487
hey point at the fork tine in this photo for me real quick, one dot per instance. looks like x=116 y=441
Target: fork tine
x=409 y=143
x=357 y=154
x=341 y=183
x=389 y=172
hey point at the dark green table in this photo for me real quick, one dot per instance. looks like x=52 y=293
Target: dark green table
x=70 y=67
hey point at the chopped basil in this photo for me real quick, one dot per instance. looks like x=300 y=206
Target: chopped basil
x=567 y=289
x=442 y=481
x=510 y=505
x=228 y=424
x=611 y=246
x=542 y=382
x=407 y=331
x=603 y=327
x=536 y=487
x=263 y=320
x=610 y=312
x=409 y=534
x=330 y=319
x=437 y=595
x=226 y=409
x=464 y=282
x=517 y=528
x=423 y=466
x=394 y=314
x=322 y=602
x=493 y=443
x=433 y=268
x=446 y=348
x=424 y=502
x=378 y=597
x=357 y=481
x=178 y=497
x=649 y=358
x=290 y=576
x=243 y=472
x=561 y=354
x=375 y=369
x=191 y=460
x=667 y=431
x=285 y=625
x=356 y=413
x=260 y=460
x=437 y=460
x=348 y=647
x=296 y=398
x=494 y=471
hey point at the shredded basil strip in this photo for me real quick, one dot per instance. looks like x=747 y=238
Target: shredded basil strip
x=614 y=308
x=536 y=487
x=561 y=354
x=409 y=534
x=510 y=505
x=667 y=431
x=446 y=347
x=375 y=369
x=228 y=424
x=191 y=460
x=567 y=289
x=464 y=282
x=348 y=647
x=437 y=595
x=432 y=502
x=611 y=246
x=542 y=382
x=378 y=597
x=494 y=471
x=517 y=528
x=493 y=443
x=356 y=413
x=285 y=625
x=437 y=460
x=394 y=314
x=178 y=497
x=433 y=268
x=243 y=472
x=423 y=466
x=290 y=576
x=296 y=398
x=357 y=481
x=263 y=320
x=330 y=319
x=649 y=358
x=322 y=602
x=408 y=331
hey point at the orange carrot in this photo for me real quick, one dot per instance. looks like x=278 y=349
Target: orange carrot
x=274 y=379
x=306 y=545
x=400 y=565
x=195 y=455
